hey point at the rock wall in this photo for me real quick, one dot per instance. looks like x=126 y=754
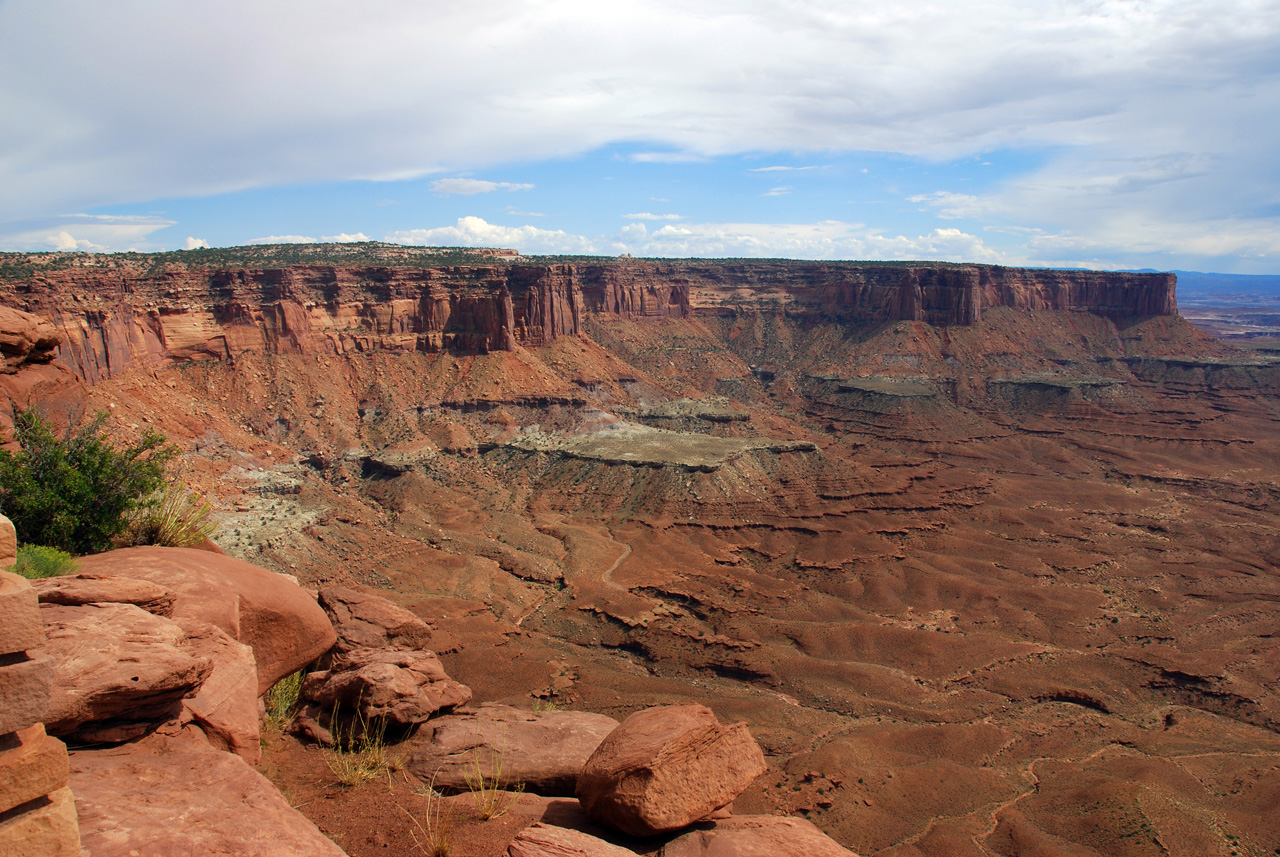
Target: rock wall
x=112 y=318
x=37 y=810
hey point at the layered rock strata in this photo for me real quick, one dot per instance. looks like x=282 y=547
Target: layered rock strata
x=113 y=318
x=37 y=811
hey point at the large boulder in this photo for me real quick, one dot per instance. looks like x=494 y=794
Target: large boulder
x=270 y=612
x=545 y=840
x=399 y=688
x=165 y=797
x=363 y=620
x=755 y=836
x=544 y=751
x=78 y=589
x=225 y=707
x=667 y=767
x=118 y=671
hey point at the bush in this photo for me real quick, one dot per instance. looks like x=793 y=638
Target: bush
x=76 y=492
x=37 y=561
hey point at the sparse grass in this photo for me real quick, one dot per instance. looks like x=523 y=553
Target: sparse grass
x=435 y=825
x=36 y=562
x=282 y=700
x=360 y=753
x=174 y=517
x=540 y=705
x=490 y=784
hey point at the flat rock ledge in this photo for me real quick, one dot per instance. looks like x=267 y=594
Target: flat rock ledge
x=543 y=751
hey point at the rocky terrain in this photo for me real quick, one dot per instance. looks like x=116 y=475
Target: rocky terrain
x=984 y=557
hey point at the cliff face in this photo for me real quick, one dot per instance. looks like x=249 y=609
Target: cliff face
x=112 y=318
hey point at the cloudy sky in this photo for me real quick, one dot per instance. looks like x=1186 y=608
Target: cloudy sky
x=1102 y=133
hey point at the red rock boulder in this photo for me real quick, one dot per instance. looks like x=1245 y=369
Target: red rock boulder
x=270 y=612
x=755 y=836
x=118 y=671
x=164 y=797
x=544 y=751
x=363 y=620
x=400 y=688
x=75 y=590
x=665 y=768
x=546 y=840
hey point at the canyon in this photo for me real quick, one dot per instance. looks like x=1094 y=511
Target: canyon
x=986 y=557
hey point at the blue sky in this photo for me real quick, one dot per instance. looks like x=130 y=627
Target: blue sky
x=1090 y=134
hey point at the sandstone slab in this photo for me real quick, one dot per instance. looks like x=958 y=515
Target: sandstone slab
x=45 y=827
x=545 y=751
x=268 y=611
x=32 y=765
x=117 y=671
x=546 y=840
x=26 y=685
x=755 y=836
x=226 y=705
x=401 y=688
x=74 y=590
x=363 y=620
x=21 y=629
x=667 y=767
x=161 y=798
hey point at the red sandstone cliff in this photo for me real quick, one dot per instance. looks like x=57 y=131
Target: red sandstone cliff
x=113 y=317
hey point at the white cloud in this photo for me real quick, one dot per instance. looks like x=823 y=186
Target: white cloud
x=644 y=215
x=476 y=232
x=469 y=187
x=778 y=191
x=86 y=232
x=196 y=243
x=1161 y=113
x=345 y=238
x=830 y=239
x=666 y=158
x=282 y=239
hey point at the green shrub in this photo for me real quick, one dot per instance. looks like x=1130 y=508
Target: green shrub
x=37 y=561
x=76 y=492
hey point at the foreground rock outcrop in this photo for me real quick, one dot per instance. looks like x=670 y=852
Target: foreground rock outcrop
x=755 y=836
x=363 y=620
x=547 y=840
x=164 y=797
x=37 y=811
x=401 y=688
x=118 y=671
x=664 y=768
x=543 y=751
x=269 y=612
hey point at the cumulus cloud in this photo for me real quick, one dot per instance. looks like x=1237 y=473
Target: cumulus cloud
x=85 y=232
x=282 y=239
x=196 y=243
x=469 y=187
x=345 y=238
x=476 y=232
x=830 y=239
